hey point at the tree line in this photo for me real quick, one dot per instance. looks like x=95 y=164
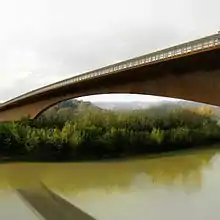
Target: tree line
x=81 y=131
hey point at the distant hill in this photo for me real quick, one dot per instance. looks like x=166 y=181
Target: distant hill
x=143 y=105
x=159 y=107
x=126 y=105
x=70 y=108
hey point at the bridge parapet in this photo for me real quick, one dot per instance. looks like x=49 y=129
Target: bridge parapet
x=192 y=47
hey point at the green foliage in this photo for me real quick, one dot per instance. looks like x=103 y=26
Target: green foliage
x=157 y=136
x=77 y=130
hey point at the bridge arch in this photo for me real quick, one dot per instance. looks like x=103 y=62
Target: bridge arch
x=199 y=86
x=194 y=78
x=57 y=102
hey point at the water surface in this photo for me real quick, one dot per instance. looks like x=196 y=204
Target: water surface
x=181 y=186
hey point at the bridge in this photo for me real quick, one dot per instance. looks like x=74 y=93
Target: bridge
x=189 y=71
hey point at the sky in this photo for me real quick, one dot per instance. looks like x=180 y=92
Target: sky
x=44 y=41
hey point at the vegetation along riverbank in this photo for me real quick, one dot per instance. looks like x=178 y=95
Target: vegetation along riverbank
x=76 y=130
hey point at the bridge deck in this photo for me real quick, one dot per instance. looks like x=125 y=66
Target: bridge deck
x=186 y=49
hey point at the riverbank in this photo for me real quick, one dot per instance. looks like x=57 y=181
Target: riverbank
x=101 y=135
x=123 y=158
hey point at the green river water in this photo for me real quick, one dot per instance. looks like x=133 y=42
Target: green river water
x=177 y=186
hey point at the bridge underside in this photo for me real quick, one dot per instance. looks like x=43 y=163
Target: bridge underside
x=195 y=77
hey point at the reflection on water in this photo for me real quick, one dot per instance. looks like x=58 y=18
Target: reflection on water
x=183 y=186
x=11 y=207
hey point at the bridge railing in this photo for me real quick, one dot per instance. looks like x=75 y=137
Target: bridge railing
x=195 y=46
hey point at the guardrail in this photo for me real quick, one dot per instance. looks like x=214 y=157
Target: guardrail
x=178 y=50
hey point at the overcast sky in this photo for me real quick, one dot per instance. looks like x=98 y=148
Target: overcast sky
x=43 y=41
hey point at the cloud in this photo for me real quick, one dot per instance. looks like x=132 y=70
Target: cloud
x=48 y=40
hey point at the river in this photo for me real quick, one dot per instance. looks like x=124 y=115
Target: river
x=185 y=185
